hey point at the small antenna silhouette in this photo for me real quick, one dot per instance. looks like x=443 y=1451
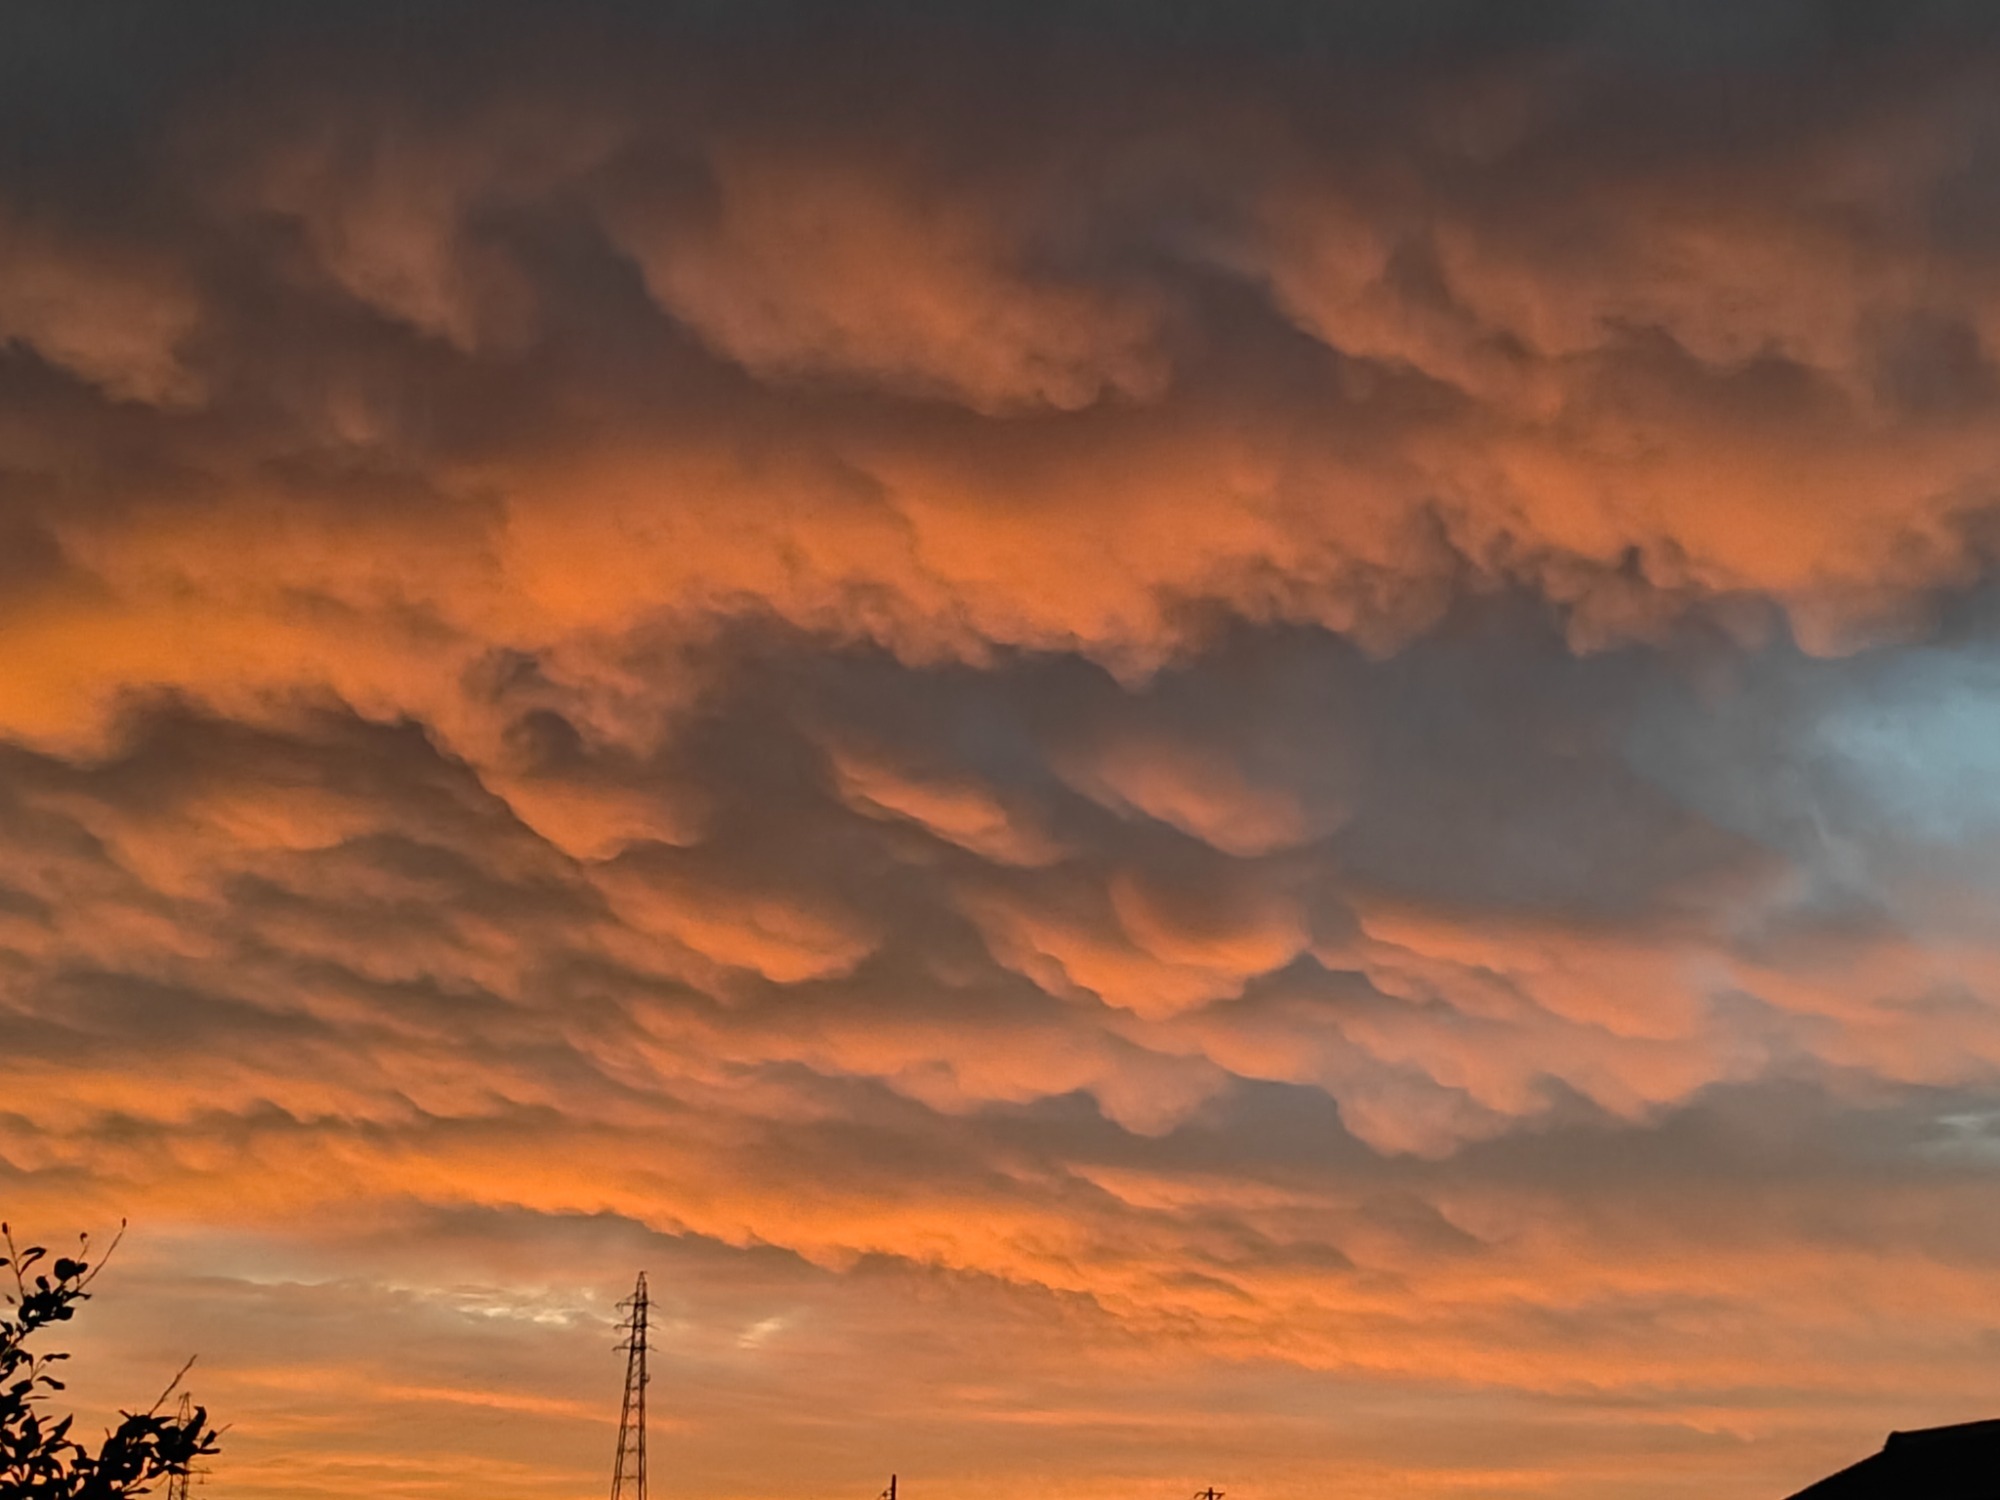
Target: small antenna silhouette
x=1211 y=1493
x=889 y=1493
x=628 y=1477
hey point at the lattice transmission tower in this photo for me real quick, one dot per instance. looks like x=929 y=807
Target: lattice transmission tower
x=628 y=1478
x=177 y=1484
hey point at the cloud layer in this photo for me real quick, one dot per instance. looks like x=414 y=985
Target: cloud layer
x=1166 y=752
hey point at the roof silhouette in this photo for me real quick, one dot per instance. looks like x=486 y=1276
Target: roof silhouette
x=1931 y=1463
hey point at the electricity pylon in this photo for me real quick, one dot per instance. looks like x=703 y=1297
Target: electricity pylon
x=628 y=1478
x=177 y=1484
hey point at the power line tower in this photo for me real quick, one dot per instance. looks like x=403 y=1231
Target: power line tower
x=628 y=1478
x=889 y=1493
x=177 y=1484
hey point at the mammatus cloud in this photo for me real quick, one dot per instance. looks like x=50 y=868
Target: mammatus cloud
x=1163 y=755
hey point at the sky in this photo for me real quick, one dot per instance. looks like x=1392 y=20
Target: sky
x=1166 y=744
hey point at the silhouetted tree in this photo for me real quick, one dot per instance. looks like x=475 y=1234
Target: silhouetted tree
x=38 y=1458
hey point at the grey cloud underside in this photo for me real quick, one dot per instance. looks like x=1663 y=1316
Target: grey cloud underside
x=441 y=295
x=415 y=925
x=364 y=275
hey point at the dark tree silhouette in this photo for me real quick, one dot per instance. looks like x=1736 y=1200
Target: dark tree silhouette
x=38 y=1458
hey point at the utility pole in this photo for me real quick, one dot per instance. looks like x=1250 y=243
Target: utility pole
x=628 y=1478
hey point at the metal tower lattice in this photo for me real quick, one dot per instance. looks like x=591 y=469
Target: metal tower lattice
x=889 y=1493
x=177 y=1484
x=628 y=1478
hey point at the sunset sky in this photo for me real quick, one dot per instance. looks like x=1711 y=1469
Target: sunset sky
x=1166 y=743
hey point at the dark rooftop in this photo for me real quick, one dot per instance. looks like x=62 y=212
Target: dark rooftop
x=1932 y=1463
